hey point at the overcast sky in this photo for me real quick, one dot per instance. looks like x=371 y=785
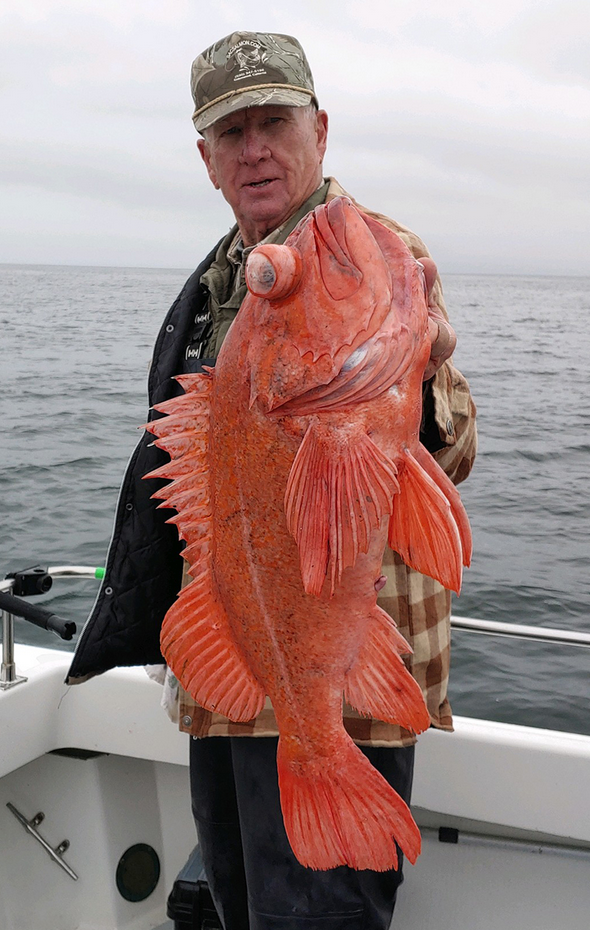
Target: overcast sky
x=467 y=120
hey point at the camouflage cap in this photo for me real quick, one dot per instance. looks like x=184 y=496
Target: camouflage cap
x=249 y=69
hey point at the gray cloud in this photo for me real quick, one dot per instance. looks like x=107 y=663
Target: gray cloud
x=469 y=122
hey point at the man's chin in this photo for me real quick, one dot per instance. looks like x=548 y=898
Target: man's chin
x=263 y=197
x=263 y=213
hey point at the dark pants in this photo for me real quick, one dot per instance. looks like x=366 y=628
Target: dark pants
x=254 y=878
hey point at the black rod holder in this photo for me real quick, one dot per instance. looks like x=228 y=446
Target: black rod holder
x=40 y=616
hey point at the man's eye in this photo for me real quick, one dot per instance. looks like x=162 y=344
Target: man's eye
x=230 y=131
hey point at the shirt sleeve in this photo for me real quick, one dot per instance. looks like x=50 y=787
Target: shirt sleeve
x=449 y=410
x=454 y=417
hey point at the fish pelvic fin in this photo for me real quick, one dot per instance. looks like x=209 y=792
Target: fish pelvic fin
x=379 y=684
x=196 y=638
x=339 y=488
x=339 y=810
x=429 y=527
x=433 y=469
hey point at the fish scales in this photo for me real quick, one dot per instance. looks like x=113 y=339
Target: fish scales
x=304 y=462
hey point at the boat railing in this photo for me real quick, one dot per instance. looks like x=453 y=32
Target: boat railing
x=539 y=634
x=19 y=585
x=37 y=580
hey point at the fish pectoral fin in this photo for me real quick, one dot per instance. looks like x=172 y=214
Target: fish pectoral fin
x=197 y=644
x=339 y=488
x=426 y=529
x=379 y=684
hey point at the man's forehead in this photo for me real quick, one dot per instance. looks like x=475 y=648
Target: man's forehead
x=256 y=113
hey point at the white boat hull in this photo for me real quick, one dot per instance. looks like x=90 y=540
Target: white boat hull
x=518 y=798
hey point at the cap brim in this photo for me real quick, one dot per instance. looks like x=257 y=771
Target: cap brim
x=251 y=97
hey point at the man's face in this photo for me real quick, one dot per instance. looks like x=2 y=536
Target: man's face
x=266 y=161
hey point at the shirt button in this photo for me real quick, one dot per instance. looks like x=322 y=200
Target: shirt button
x=187 y=720
x=450 y=428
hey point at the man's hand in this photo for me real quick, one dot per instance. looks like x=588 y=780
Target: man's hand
x=442 y=335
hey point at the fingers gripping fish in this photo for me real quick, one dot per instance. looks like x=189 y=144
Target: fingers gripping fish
x=293 y=463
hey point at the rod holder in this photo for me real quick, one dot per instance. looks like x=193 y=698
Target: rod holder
x=34 y=580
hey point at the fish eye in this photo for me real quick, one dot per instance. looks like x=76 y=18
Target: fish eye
x=273 y=271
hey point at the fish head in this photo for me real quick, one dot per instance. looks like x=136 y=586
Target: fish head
x=313 y=301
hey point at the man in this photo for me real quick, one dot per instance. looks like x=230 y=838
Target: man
x=263 y=142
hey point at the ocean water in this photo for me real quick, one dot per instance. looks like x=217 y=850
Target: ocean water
x=74 y=355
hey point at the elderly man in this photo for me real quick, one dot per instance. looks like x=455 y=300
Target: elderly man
x=263 y=143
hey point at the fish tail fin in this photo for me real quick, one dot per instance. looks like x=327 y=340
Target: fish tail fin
x=344 y=812
x=426 y=528
x=379 y=684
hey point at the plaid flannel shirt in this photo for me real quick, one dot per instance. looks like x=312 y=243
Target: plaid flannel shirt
x=420 y=606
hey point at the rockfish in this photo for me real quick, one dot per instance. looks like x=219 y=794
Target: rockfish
x=293 y=463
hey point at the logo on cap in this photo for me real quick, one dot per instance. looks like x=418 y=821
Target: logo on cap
x=249 y=57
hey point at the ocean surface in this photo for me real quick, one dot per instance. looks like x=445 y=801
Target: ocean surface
x=74 y=352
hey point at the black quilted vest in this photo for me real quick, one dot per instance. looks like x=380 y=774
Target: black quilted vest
x=144 y=569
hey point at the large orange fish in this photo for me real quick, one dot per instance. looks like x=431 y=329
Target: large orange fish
x=293 y=463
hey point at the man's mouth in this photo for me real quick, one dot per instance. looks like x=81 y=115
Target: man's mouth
x=257 y=184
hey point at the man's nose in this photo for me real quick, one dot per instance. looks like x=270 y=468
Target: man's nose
x=254 y=147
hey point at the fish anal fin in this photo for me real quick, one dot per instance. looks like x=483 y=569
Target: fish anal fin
x=197 y=644
x=379 y=684
x=339 y=488
x=422 y=528
x=343 y=812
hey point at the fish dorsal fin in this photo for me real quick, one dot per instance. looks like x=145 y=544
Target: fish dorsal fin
x=423 y=529
x=339 y=488
x=196 y=637
x=197 y=644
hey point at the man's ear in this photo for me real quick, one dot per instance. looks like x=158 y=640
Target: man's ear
x=322 y=132
x=205 y=153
